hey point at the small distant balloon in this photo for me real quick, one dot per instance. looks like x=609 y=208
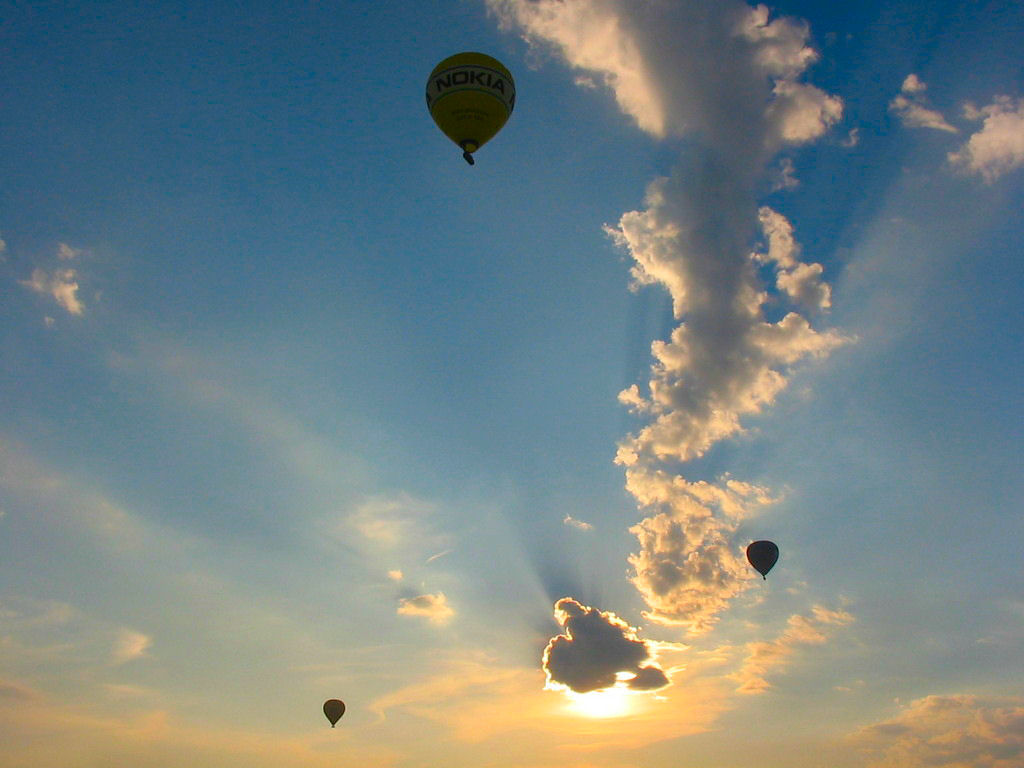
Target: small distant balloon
x=334 y=709
x=763 y=555
x=470 y=96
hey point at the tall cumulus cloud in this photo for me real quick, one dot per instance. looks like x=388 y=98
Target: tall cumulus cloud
x=729 y=77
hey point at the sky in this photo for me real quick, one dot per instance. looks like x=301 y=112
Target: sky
x=297 y=405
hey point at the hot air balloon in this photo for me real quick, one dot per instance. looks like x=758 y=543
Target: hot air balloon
x=470 y=96
x=334 y=709
x=763 y=555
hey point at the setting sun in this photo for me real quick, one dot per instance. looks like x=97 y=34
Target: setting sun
x=610 y=702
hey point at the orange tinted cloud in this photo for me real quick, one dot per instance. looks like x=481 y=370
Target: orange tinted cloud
x=767 y=656
x=433 y=607
x=958 y=731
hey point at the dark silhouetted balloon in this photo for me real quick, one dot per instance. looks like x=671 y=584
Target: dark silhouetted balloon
x=470 y=96
x=334 y=709
x=763 y=555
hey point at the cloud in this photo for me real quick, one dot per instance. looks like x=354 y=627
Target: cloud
x=913 y=84
x=15 y=692
x=391 y=520
x=574 y=523
x=61 y=285
x=687 y=570
x=395 y=575
x=785 y=176
x=65 y=252
x=598 y=650
x=998 y=147
x=130 y=645
x=765 y=656
x=802 y=283
x=480 y=701
x=438 y=556
x=653 y=57
x=909 y=107
x=432 y=607
x=949 y=732
x=725 y=359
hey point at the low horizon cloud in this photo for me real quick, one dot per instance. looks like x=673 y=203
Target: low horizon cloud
x=952 y=731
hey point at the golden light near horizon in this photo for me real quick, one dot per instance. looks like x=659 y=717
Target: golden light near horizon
x=605 y=703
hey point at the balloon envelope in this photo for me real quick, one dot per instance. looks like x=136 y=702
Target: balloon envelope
x=763 y=555
x=334 y=709
x=470 y=96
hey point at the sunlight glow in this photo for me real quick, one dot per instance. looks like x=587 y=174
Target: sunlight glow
x=610 y=702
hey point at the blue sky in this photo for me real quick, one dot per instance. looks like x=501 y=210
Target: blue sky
x=297 y=405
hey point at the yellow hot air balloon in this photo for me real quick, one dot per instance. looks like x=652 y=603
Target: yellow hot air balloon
x=470 y=96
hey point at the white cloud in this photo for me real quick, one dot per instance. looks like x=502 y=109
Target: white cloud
x=910 y=107
x=957 y=731
x=725 y=359
x=130 y=645
x=61 y=285
x=432 y=607
x=574 y=523
x=395 y=575
x=801 y=282
x=998 y=147
x=653 y=57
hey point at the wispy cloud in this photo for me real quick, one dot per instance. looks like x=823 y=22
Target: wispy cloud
x=389 y=520
x=910 y=106
x=130 y=645
x=998 y=147
x=765 y=656
x=433 y=607
x=66 y=253
x=12 y=691
x=948 y=732
x=60 y=284
x=480 y=701
x=572 y=522
x=438 y=556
